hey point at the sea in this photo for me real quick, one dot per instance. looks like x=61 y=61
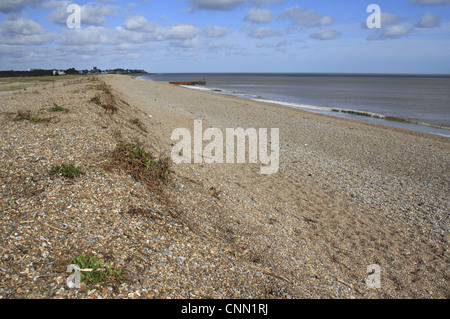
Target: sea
x=417 y=102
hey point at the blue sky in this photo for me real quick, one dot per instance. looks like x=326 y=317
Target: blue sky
x=228 y=36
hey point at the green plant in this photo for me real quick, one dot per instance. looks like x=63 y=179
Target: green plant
x=96 y=100
x=95 y=271
x=134 y=160
x=66 y=170
x=57 y=108
x=103 y=87
x=136 y=152
x=164 y=164
x=34 y=119
x=22 y=116
x=27 y=117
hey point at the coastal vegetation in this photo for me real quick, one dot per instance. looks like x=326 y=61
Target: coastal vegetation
x=26 y=115
x=58 y=108
x=138 y=163
x=66 y=170
x=94 y=271
x=28 y=82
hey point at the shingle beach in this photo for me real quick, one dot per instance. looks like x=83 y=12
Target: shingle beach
x=347 y=194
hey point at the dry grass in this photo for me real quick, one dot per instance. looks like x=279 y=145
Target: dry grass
x=139 y=124
x=21 y=83
x=27 y=116
x=135 y=161
x=106 y=100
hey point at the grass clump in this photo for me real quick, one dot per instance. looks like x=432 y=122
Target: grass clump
x=138 y=163
x=108 y=107
x=34 y=119
x=58 y=108
x=103 y=87
x=21 y=115
x=96 y=100
x=66 y=170
x=26 y=116
x=142 y=158
x=97 y=270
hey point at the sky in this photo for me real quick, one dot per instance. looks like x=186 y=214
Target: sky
x=165 y=36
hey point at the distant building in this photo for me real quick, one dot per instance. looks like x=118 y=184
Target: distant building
x=59 y=72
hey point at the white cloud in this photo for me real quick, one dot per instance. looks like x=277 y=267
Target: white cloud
x=392 y=27
x=215 y=4
x=127 y=47
x=391 y=32
x=22 y=31
x=305 y=18
x=396 y=31
x=91 y=35
x=135 y=30
x=429 y=2
x=428 y=20
x=140 y=24
x=261 y=32
x=224 y=5
x=95 y=15
x=220 y=46
x=90 y=14
x=177 y=32
x=387 y=19
x=279 y=46
x=215 y=31
x=8 y=6
x=325 y=34
x=153 y=31
x=8 y=50
x=185 y=43
x=259 y=15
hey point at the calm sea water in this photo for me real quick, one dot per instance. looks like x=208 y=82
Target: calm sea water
x=415 y=102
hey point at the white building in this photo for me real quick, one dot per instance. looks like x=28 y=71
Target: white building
x=59 y=72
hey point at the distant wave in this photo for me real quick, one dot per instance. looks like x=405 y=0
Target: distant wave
x=389 y=118
x=322 y=108
x=355 y=112
x=221 y=91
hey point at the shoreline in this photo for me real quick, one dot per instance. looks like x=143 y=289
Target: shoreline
x=378 y=170
x=360 y=115
x=348 y=194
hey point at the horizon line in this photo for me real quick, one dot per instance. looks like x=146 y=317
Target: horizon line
x=253 y=72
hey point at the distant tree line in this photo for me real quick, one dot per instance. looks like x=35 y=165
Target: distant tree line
x=12 y=73
x=35 y=72
x=41 y=72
